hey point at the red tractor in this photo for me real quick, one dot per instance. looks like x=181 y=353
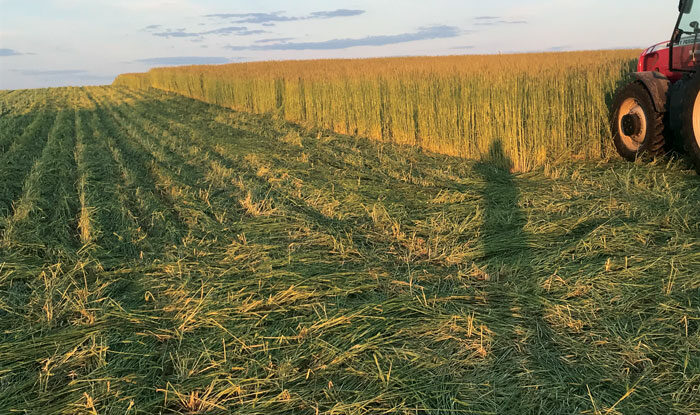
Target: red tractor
x=661 y=107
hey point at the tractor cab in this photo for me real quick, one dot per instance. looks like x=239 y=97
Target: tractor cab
x=681 y=54
x=684 y=50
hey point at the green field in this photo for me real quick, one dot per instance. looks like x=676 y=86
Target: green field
x=163 y=255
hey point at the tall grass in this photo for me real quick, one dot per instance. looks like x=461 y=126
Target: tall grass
x=542 y=106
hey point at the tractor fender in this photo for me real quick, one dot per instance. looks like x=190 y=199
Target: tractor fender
x=658 y=85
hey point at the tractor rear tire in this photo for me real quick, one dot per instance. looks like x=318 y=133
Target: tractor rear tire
x=638 y=128
x=689 y=118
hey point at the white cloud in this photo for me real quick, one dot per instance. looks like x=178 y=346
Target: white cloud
x=132 y=5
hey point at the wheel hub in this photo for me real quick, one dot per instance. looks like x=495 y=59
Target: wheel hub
x=631 y=124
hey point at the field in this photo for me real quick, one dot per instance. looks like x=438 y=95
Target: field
x=159 y=254
x=539 y=107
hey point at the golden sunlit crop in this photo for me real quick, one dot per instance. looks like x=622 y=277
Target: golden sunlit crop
x=541 y=107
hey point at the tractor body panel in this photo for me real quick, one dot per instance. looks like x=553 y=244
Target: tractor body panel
x=657 y=59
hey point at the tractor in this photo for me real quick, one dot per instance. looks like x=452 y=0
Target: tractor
x=660 y=108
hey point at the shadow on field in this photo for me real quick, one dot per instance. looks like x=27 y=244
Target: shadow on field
x=523 y=345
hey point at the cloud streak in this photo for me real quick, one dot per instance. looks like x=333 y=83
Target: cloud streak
x=559 y=48
x=56 y=77
x=184 y=60
x=277 y=17
x=423 y=33
x=499 y=22
x=9 y=52
x=59 y=72
x=335 y=13
x=464 y=47
x=223 y=31
x=495 y=20
x=275 y=40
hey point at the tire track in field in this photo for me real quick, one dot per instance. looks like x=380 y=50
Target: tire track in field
x=176 y=143
x=16 y=162
x=105 y=222
x=155 y=214
x=12 y=127
x=183 y=170
x=153 y=111
x=387 y=169
x=214 y=149
x=370 y=228
x=44 y=217
x=172 y=175
x=298 y=208
x=416 y=218
x=371 y=234
x=296 y=212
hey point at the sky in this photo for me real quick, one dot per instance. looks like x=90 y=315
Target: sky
x=46 y=43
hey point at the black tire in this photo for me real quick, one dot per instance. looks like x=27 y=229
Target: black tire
x=650 y=137
x=689 y=118
x=675 y=110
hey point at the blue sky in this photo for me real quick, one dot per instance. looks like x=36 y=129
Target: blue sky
x=88 y=42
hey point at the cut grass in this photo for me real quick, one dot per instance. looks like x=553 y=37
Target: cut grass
x=211 y=261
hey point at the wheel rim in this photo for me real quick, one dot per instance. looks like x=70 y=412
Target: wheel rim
x=696 y=120
x=631 y=106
